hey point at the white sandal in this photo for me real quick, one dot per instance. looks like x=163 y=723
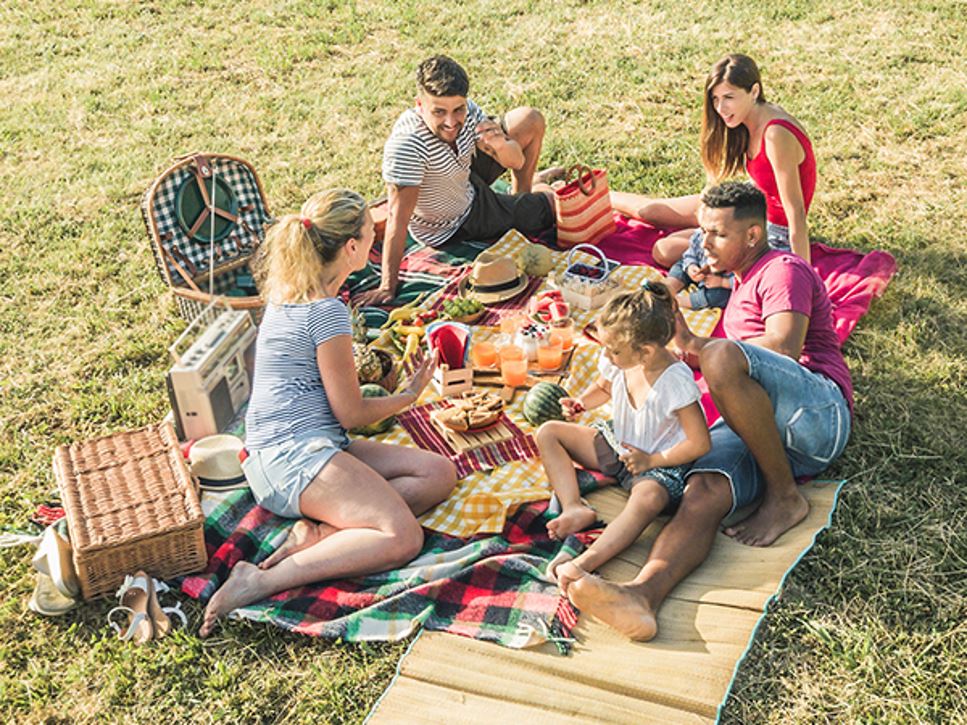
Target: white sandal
x=160 y=616
x=134 y=596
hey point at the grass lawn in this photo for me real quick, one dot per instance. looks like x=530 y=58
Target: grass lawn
x=97 y=97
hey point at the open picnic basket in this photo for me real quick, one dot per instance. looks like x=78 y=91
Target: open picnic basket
x=206 y=216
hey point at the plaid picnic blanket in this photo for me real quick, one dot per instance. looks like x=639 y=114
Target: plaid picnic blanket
x=483 y=499
x=417 y=423
x=489 y=587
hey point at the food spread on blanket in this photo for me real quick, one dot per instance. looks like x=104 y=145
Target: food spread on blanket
x=472 y=411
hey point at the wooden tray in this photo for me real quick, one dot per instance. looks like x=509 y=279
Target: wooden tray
x=533 y=368
x=471 y=440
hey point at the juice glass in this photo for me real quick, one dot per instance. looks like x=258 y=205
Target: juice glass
x=513 y=371
x=484 y=354
x=550 y=352
x=510 y=323
x=565 y=329
x=511 y=352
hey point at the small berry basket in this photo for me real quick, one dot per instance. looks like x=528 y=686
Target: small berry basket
x=588 y=286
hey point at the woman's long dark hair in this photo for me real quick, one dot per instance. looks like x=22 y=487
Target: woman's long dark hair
x=724 y=148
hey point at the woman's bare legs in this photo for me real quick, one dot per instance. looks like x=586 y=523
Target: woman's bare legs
x=422 y=478
x=376 y=531
x=680 y=212
x=561 y=445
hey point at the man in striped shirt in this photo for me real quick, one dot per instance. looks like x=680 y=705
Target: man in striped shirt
x=439 y=162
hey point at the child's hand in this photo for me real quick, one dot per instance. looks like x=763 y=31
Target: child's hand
x=571 y=407
x=695 y=273
x=635 y=460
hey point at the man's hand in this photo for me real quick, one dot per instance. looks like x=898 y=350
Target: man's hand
x=379 y=296
x=490 y=135
x=635 y=460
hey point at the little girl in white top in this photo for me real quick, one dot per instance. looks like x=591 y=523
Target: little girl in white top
x=657 y=429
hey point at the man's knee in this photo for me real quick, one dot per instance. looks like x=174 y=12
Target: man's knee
x=707 y=495
x=722 y=363
x=525 y=121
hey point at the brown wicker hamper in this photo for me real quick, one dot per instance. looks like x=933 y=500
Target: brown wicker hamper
x=131 y=504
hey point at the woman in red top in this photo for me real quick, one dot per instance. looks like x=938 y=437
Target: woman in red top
x=740 y=128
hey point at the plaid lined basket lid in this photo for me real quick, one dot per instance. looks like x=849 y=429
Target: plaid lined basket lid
x=175 y=253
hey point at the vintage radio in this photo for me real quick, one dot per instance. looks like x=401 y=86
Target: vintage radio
x=209 y=381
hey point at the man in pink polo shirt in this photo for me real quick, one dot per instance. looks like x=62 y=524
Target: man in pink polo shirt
x=785 y=396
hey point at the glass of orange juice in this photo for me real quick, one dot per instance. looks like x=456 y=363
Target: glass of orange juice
x=565 y=329
x=484 y=354
x=511 y=352
x=550 y=352
x=513 y=371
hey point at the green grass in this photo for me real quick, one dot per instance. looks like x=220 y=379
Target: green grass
x=97 y=98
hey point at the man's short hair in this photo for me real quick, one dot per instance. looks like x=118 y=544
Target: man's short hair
x=442 y=76
x=745 y=200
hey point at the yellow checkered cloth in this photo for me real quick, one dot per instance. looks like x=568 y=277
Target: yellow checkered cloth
x=482 y=501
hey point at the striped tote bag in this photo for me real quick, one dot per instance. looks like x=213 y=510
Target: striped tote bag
x=584 y=212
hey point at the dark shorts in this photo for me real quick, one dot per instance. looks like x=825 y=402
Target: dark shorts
x=700 y=296
x=672 y=478
x=492 y=214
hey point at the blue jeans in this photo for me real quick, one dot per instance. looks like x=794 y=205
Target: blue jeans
x=812 y=416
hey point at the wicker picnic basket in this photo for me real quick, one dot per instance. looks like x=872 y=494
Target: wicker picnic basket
x=207 y=214
x=131 y=504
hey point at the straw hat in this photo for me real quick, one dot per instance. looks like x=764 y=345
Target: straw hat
x=493 y=278
x=214 y=462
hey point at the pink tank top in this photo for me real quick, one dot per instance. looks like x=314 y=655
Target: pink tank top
x=760 y=171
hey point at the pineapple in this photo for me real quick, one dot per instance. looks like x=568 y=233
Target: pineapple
x=369 y=367
x=358 y=320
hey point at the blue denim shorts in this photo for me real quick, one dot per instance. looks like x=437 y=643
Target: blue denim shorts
x=671 y=478
x=811 y=413
x=279 y=474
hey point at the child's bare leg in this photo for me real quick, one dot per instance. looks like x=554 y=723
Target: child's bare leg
x=647 y=499
x=684 y=301
x=561 y=445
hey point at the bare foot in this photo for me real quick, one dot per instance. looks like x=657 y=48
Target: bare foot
x=571 y=520
x=241 y=588
x=302 y=535
x=615 y=605
x=770 y=521
x=552 y=565
x=567 y=573
x=550 y=174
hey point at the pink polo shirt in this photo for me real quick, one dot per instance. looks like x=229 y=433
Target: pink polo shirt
x=783 y=282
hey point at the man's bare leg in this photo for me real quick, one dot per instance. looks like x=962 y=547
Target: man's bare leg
x=526 y=126
x=683 y=544
x=746 y=407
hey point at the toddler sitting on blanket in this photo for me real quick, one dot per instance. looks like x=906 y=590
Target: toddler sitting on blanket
x=712 y=290
x=657 y=429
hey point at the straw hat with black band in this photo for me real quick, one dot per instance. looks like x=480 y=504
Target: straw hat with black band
x=215 y=463
x=493 y=278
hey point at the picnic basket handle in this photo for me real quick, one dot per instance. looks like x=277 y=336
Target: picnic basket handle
x=582 y=169
x=590 y=249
